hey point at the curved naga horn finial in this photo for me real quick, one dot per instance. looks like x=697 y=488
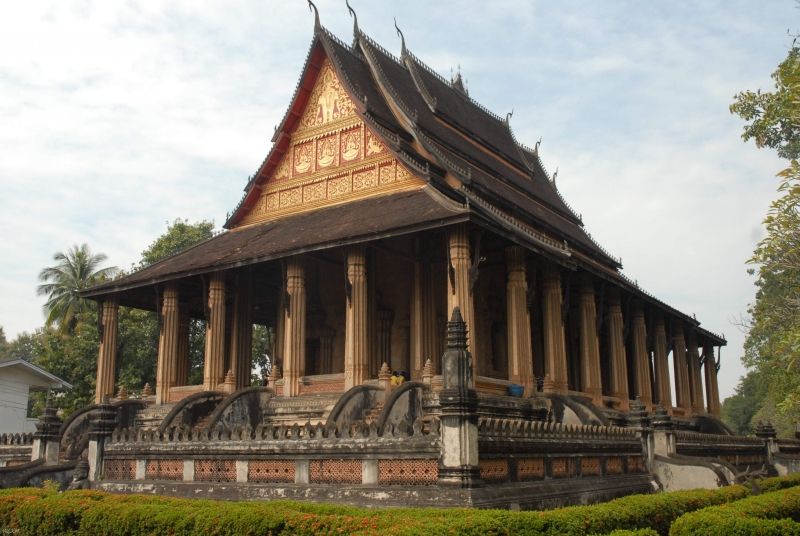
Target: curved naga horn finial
x=355 y=18
x=509 y=115
x=402 y=38
x=311 y=7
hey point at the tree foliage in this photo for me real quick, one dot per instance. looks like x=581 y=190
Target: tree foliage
x=180 y=235
x=772 y=347
x=74 y=271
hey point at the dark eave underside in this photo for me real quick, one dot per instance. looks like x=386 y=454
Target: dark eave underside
x=355 y=222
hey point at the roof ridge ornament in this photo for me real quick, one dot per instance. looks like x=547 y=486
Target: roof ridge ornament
x=313 y=7
x=509 y=115
x=352 y=11
x=403 y=51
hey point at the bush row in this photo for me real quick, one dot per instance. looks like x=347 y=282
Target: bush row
x=776 y=513
x=37 y=511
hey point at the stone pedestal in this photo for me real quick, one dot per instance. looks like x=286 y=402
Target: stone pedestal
x=101 y=425
x=46 y=438
x=458 y=463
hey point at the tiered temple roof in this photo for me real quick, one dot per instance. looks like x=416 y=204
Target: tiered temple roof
x=465 y=164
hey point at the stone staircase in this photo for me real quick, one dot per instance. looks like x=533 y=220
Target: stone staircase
x=151 y=417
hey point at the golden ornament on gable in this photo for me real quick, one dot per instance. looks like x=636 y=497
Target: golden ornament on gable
x=303 y=158
x=387 y=173
x=351 y=144
x=326 y=151
x=366 y=179
x=328 y=101
x=314 y=191
x=374 y=146
x=339 y=186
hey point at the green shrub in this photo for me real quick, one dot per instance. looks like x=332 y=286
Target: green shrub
x=771 y=513
x=37 y=511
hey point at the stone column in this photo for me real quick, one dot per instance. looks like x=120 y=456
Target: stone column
x=616 y=350
x=682 y=396
x=280 y=334
x=214 y=367
x=294 y=324
x=459 y=292
x=168 y=344
x=712 y=388
x=107 y=358
x=641 y=357
x=590 y=344
x=423 y=315
x=458 y=461
x=695 y=383
x=356 y=365
x=242 y=333
x=518 y=322
x=660 y=350
x=555 y=354
x=182 y=374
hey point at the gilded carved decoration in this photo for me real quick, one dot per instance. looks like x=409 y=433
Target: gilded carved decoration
x=332 y=157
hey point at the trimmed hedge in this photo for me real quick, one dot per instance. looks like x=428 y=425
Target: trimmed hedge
x=38 y=511
x=775 y=513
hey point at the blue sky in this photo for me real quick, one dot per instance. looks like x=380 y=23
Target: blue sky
x=118 y=116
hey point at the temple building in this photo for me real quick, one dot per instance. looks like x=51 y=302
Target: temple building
x=398 y=225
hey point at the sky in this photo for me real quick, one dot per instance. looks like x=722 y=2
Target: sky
x=117 y=117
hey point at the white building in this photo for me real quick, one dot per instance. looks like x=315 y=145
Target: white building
x=17 y=378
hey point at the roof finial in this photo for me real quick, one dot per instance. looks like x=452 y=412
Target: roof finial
x=402 y=38
x=536 y=147
x=509 y=115
x=355 y=18
x=311 y=6
x=554 y=176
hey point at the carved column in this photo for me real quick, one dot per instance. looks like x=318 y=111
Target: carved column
x=616 y=350
x=682 y=396
x=423 y=315
x=182 y=372
x=712 y=388
x=641 y=358
x=242 y=333
x=168 y=343
x=294 y=325
x=356 y=366
x=660 y=350
x=695 y=383
x=460 y=285
x=590 y=344
x=107 y=356
x=555 y=353
x=214 y=366
x=518 y=322
x=280 y=334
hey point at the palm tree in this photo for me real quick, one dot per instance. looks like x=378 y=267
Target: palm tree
x=75 y=270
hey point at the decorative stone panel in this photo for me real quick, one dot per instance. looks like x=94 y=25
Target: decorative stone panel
x=614 y=465
x=494 y=470
x=563 y=467
x=635 y=464
x=590 y=466
x=271 y=471
x=119 y=469
x=164 y=470
x=215 y=470
x=530 y=469
x=413 y=472
x=335 y=471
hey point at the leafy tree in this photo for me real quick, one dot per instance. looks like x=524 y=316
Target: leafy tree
x=180 y=235
x=24 y=346
x=3 y=345
x=75 y=270
x=772 y=347
x=740 y=409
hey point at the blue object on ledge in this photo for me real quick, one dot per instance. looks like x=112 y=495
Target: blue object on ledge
x=515 y=390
